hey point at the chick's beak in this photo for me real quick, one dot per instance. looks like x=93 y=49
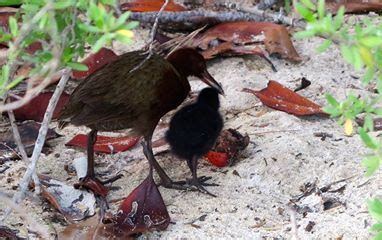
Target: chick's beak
x=210 y=81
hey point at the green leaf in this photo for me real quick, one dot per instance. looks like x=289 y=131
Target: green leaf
x=13 y=25
x=308 y=4
x=338 y=20
x=347 y=53
x=15 y=82
x=321 y=9
x=378 y=111
x=376 y=227
x=122 y=19
x=331 y=100
x=305 y=13
x=132 y=24
x=368 y=75
x=371 y=163
x=334 y=112
x=368 y=123
x=10 y=2
x=108 y=2
x=371 y=41
x=88 y=28
x=369 y=142
x=325 y=45
x=375 y=209
x=77 y=66
x=378 y=236
x=62 y=4
x=304 y=34
x=100 y=43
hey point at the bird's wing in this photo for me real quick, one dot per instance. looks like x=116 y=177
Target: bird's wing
x=124 y=94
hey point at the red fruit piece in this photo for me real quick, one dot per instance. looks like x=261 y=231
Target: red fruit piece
x=217 y=159
x=105 y=144
x=95 y=61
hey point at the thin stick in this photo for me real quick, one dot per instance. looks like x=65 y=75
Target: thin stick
x=152 y=36
x=21 y=148
x=31 y=168
x=293 y=222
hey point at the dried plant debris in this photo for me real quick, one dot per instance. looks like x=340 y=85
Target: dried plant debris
x=105 y=144
x=304 y=84
x=28 y=132
x=74 y=204
x=278 y=97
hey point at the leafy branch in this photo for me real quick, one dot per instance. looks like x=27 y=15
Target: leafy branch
x=361 y=46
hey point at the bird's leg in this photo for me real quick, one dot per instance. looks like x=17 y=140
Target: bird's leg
x=90 y=181
x=195 y=181
x=165 y=179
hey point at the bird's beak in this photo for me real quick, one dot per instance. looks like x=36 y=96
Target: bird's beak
x=210 y=81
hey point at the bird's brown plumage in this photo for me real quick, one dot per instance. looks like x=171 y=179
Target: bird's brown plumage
x=114 y=98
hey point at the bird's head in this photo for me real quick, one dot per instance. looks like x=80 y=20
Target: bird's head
x=210 y=97
x=188 y=62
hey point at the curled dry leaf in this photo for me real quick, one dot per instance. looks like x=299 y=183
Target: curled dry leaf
x=143 y=210
x=95 y=61
x=105 y=144
x=151 y=6
x=278 y=97
x=74 y=204
x=275 y=37
x=36 y=108
x=354 y=6
x=28 y=133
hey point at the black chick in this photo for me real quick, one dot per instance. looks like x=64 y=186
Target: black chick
x=193 y=131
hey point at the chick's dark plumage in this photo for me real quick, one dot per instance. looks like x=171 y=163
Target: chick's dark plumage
x=194 y=129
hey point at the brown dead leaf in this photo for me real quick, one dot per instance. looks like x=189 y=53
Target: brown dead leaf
x=278 y=97
x=151 y=6
x=354 y=6
x=275 y=37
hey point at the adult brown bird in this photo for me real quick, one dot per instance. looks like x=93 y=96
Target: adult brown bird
x=119 y=96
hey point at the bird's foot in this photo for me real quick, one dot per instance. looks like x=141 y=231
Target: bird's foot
x=96 y=185
x=191 y=185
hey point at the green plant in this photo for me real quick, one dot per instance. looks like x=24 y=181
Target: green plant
x=361 y=46
x=64 y=29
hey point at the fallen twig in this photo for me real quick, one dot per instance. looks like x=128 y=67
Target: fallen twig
x=191 y=20
x=293 y=222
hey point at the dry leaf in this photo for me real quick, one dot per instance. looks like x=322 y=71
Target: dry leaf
x=354 y=6
x=278 y=97
x=105 y=144
x=151 y=6
x=274 y=36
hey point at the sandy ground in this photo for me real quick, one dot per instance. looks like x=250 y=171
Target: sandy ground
x=253 y=196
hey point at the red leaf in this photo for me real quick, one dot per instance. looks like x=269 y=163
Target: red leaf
x=278 y=97
x=143 y=209
x=276 y=37
x=217 y=159
x=105 y=144
x=35 y=109
x=354 y=6
x=151 y=6
x=96 y=61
